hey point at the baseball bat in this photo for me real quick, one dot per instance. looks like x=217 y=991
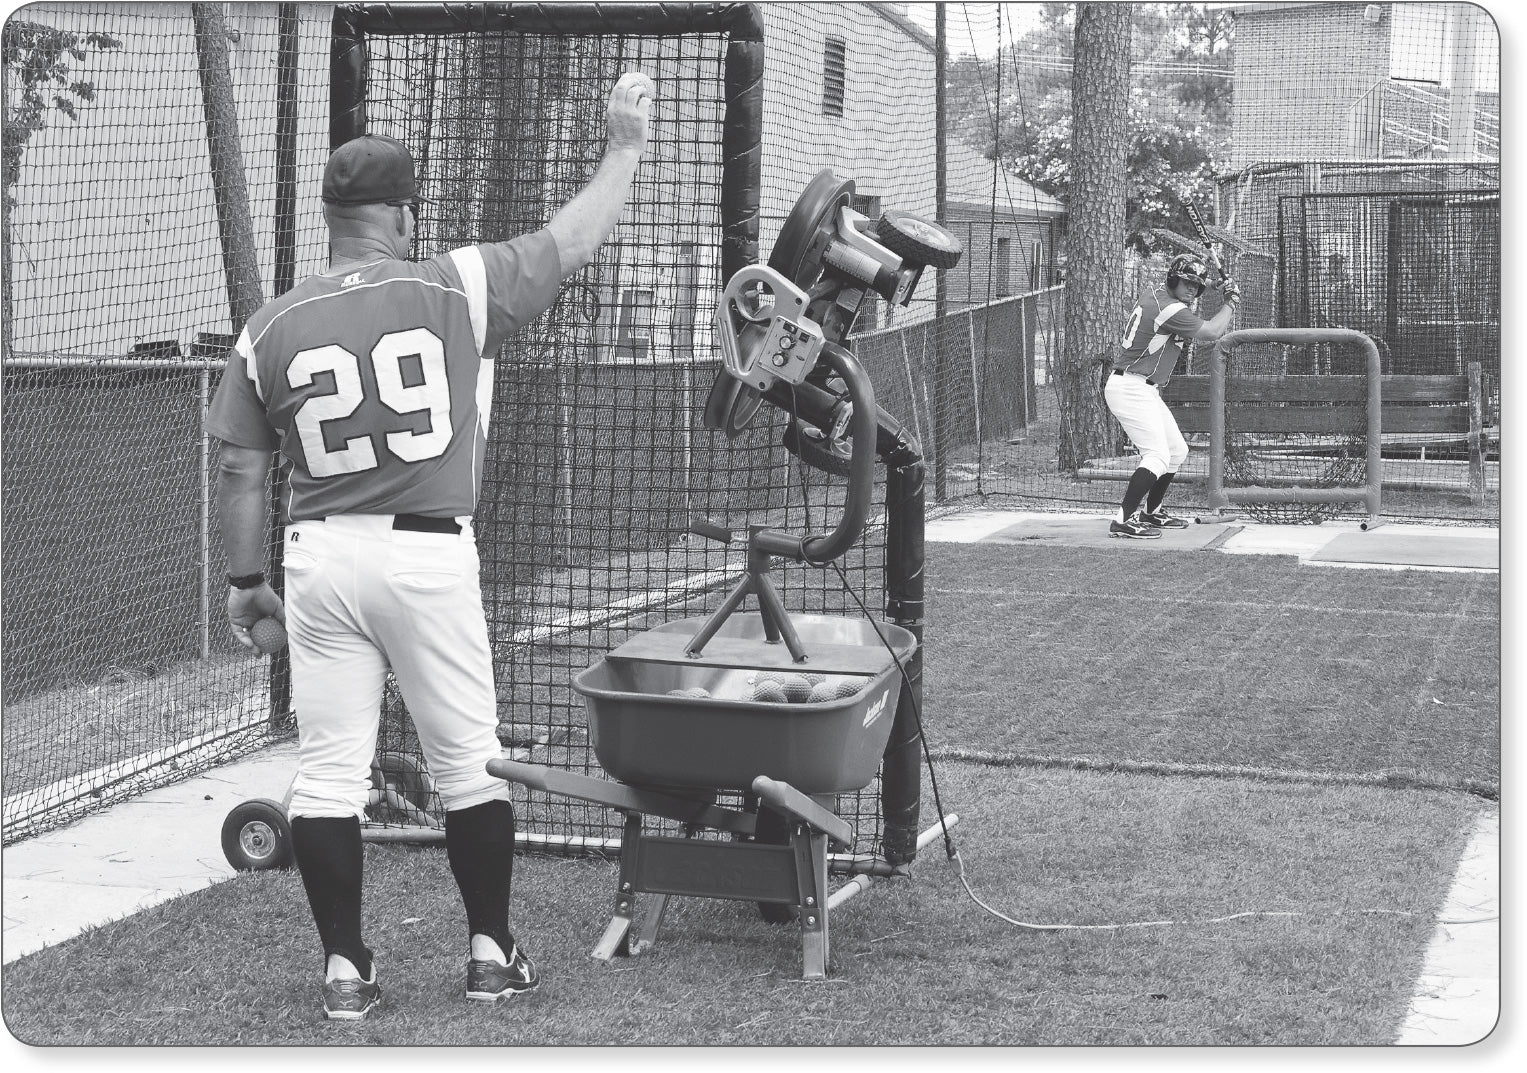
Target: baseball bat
x=1203 y=237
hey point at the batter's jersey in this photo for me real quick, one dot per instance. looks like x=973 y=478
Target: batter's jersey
x=377 y=385
x=1158 y=329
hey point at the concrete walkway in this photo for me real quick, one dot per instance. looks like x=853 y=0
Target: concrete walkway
x=117 y=862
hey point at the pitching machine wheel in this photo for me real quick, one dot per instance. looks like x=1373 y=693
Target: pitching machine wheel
x=914 y=239
x=257 y=837
x=797 y=255
x=809 y=229
x=731 y=405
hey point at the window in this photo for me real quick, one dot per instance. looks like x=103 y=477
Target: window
x=633 y=323
x=834 y=76
x=1003 y=270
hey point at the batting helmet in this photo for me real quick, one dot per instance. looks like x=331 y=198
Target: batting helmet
x=1188 y=268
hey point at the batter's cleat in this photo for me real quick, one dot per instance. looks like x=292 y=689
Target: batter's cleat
x=1162 y=520
x=492 y=981
x=1134 y=528
x=350 y=1000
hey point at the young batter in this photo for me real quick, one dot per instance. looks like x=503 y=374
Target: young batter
x=1159 y=327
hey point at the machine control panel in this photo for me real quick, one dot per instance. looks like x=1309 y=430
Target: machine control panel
x=762 y=329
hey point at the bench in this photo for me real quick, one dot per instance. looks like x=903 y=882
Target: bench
x=1415 y=410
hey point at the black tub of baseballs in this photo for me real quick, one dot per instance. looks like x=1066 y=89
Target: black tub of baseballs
x=660 y=716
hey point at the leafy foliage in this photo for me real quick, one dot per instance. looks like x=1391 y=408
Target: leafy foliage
x=39 y=56
x=1179 y=108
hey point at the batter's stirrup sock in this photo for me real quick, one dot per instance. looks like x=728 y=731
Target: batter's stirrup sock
x=329 y=856
x=479 y=843
x=1140 y=482
x=1158 y=492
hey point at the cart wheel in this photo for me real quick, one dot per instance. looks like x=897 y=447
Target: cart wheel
x=405 y=776
x=256 y=836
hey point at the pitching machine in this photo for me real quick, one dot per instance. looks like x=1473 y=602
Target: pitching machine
x=676 y=713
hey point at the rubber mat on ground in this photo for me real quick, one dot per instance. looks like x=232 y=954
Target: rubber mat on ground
x=1399 y=548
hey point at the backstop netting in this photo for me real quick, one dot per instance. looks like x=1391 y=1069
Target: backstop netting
x=119 y=671
x=161 y=164
x=599 y=459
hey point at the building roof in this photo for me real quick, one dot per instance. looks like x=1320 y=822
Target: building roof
x=970 y=178
x=897 y=14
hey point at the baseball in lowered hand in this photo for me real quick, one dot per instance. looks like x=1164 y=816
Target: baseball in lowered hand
x=268 y=635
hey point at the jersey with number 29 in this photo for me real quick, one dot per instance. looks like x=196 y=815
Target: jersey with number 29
x=377 y=385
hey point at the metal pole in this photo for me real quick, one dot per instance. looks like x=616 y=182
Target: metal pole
x=204 y=393
x=286 y=149
x=1217 y=360
x=862 y=881
x=941 y=286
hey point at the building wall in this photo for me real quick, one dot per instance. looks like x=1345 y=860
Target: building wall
x=976 y=279
x=884 y=141
x=115 y=219
x=115 y=222
x=1301 y=72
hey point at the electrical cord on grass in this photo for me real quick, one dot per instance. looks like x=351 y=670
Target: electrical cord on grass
x=954 y=854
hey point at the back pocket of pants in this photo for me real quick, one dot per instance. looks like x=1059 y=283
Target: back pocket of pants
x=429 y=569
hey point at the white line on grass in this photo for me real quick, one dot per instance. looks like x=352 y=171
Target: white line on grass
x=1223 y=771
x=1250 y=605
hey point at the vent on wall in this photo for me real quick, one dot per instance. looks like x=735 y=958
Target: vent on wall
x=834 y=75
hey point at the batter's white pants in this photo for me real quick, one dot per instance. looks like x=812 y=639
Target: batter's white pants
x=1148 y=422
x=363 y=598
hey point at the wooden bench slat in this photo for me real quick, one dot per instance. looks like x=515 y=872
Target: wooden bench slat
x=1401 y=389
x=1411 y=419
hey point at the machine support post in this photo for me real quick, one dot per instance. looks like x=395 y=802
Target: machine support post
x=900 y=774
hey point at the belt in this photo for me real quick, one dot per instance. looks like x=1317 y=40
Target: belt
x=1120 y=372
x=418 y=523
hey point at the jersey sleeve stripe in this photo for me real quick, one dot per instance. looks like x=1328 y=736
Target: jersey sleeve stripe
x=251 y=367
x=1168 y=311
x=474 y=281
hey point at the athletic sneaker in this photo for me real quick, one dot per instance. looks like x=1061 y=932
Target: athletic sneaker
x=1162 y=520
x=489 y=981
x=1133 y=527
x=350 y=1000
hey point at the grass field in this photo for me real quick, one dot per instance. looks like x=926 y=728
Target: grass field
x=1244 y=782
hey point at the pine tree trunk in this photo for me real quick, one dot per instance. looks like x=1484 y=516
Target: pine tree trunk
x=1095 y=247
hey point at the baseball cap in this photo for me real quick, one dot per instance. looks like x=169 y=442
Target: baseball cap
x=369 y=170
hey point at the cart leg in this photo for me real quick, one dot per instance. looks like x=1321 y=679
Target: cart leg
x=811 y=876
x=652 y=920
x=613 y=942
x=608 y=947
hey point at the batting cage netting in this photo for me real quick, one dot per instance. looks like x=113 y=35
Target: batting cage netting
x=161 y=170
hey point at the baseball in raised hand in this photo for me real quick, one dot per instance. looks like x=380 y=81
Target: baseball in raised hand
x=628 y=111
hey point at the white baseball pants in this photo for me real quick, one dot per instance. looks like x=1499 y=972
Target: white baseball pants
x=363 y=598
x=1148 y=422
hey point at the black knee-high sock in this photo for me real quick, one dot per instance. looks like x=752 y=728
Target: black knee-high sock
x=479 y=843
x=1140 y=482
x=330 y=857
x=1158 y=492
